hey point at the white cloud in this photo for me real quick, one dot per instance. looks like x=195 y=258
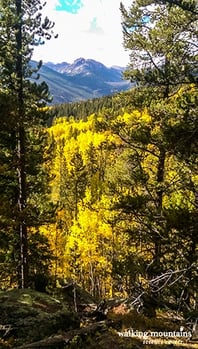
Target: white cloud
x=95 y=32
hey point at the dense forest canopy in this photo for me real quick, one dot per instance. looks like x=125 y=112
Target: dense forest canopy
x=107 y=195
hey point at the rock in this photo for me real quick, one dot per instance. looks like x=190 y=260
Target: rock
x=29 y=316
x=76 y=297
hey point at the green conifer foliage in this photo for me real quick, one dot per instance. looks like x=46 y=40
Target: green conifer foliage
x=162 y=40
x=21 y=28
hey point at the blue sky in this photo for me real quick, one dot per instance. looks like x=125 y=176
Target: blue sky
x=86 y=28
x=70 y=6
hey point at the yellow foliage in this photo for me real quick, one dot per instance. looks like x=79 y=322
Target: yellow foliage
x=136 y=116
x=90 y=243
x=89 y=239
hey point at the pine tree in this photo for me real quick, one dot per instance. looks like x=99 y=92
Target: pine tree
x=21 y=29
x=162 y=39
x=186 y=5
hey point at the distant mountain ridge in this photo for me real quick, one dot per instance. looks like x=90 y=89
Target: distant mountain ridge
x=83 y=79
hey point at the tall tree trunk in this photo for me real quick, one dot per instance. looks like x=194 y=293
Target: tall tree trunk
x=21 y=156
x=160 y=179
x=191 y=289
x=23 y=277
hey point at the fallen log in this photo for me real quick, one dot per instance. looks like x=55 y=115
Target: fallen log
x=58 y=341
x=62 y=340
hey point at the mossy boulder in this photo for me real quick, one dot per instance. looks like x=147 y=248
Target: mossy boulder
x=28 y=315
x=67 y=292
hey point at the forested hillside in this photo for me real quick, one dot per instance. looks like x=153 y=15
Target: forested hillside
x=104 y=193
x=125 y=190
x=125 y=177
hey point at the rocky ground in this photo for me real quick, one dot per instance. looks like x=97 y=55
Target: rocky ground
x=71 y=319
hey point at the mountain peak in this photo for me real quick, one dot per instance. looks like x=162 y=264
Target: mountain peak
x=84 y=67
x=86 y=78
x=79 y=61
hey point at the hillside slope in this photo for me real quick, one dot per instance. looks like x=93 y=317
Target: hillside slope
x=82 y=80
